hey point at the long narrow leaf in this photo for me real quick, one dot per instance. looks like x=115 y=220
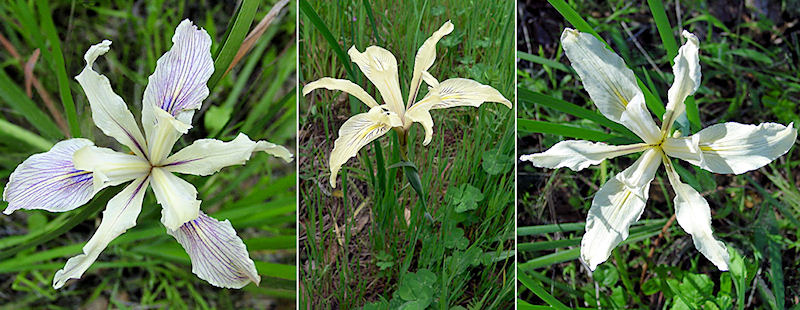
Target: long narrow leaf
x=526 y=97
x=16 y=98
x=326 y=33
x=57 y=58
x=233 y=39
x=532 y=126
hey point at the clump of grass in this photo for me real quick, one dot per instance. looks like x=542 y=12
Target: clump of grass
x=748 y=77
x=374 y=243
x=145 y=267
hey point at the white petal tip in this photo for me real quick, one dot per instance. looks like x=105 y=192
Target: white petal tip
x=95 y=51
x=691 y=37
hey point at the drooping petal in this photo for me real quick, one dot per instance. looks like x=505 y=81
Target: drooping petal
x=694 y=216
x=218 y=255
x=380 y=67
x=686 y=68
x=637 y=118
x=459 y=92
x=423 y=117
x=49 y=181
x=109 y=111
x=178 y=85
x=109 y=167
x=120 y=215
x=579 y=154
x=424 y=59
x=164 y=133
x=207 y=156
x=356 y=132
x=178 y=198
x=341 y=85
x=618 y=204
x=733 y=147
x=607 y=79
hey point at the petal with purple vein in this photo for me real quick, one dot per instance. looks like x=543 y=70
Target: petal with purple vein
x=120 y=215
x=218 y=255
x=49 y=181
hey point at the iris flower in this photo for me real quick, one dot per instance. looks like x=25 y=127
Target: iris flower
x=74 y=170
x=380 y=67
x=722 y=148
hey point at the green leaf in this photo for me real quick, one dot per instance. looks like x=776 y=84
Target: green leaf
x=216 y=117
x=532 y=126
x=464 y=197
x=57 y=62
x=417 y=289
x=454 y=238
x=237 y=31
x=544 y=61
x=326 y=33
x=12 y=95
x=495 y=163
x=526 y=96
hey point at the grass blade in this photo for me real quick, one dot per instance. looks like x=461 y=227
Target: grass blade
x=536 y=288
x=16 y=98
x=532 y=126
x=529 y=97
x=240 y=26
x=664 y=28
x=326 y=33
x=23 y=135
x=56 y=56
x=544 y=62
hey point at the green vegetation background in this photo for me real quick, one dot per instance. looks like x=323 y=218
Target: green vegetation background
x=749 y=60
x=371 y=242
x=145 y=267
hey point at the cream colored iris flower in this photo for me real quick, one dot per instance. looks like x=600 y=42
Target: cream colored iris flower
x=380 y=67
x=721 y=148
x=74 y=170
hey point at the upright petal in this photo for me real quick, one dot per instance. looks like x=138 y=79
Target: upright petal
x=49 y=181
x=341 y=85
x=618 y=204
x=178 y=198
x=686 y=69
x=178 y=85
x=380 y=67
x=120 y=215
x=424 y=59
x=637 y=118
x=109 y=167
x=579 y=154
x=164 y=133
x=610 y=83
x=733 y=147
x=356 y=132
x=694 y=216
x=207 y=156
x=218 y=255
x=109 y=111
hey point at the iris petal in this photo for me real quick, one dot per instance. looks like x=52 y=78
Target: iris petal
x=218 y=255
x=49 y=181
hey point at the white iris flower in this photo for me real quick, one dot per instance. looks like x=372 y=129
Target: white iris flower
x=721 y=148
x=74 y=170
x=380 y=67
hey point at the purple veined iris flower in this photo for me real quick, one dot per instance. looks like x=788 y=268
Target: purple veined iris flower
x=74 y=170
